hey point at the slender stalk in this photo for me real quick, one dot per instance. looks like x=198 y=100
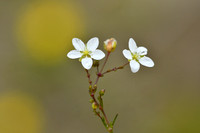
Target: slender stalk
x=98 y=115
x=88 y=76
x=115 y=68
x=104 y=114
x=105 y=62
x=99 y=74
x=97 y=69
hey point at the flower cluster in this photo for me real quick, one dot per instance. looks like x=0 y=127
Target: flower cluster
x=89 y=56
x=85 y=53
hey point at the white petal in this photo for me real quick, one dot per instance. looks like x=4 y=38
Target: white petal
x=92 y=44
x=78 y=44
x=97 y=54
x=74 y=54
x=127 y=54
x=132 y=45
x=135 y=66
x=141 y=51
x=146 y=61
x=87 y=63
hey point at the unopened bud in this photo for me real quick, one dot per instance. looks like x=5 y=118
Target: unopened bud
x=110 y=44
x=102 y=92
x=91 y=100
x=90 y=87
x=94 y=105
x=95 y=86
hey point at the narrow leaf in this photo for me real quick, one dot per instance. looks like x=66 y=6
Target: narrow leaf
x=113 y=122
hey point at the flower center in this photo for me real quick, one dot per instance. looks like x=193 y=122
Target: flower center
x=86 y=53
x=135 y=56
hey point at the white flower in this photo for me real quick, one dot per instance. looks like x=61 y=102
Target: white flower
x=86 y=52
x=136 y=55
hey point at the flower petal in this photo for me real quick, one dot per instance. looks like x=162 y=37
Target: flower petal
x=97 y=54
x=127 y=54
x=78 y=44
x=146 y=61
x=92 y=44
x=87 y=63
x=141 y=51
x=74 y=54
x=132 y=45
x=135 y=66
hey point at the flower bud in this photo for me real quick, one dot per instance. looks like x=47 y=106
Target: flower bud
x=102 y=92
x=94 y=105
x=90 y=88
x=95 y=86
x=110 y=44
x=91 y=100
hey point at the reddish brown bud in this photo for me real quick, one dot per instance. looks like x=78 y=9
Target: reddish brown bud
x=110 y=44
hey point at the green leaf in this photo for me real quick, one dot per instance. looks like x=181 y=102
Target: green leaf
x=113 y=122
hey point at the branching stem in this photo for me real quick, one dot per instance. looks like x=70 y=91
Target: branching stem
x=92 y=92
x=115 y=68
x=99 y=74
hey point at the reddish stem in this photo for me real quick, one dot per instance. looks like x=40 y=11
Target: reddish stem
x=88 y=76
x=93 y=97
x=99 y=74
x=115 y=68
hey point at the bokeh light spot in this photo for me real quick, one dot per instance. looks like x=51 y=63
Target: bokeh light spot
x=45 y=30
x=20 y=114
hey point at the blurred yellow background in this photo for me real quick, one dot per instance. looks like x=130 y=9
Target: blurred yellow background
x=42 y=91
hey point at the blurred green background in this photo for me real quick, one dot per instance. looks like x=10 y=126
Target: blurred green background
x=42 y=91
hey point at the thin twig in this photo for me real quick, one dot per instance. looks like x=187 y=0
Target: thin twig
x=97 y=69
x=99 y=74
x=88 y=76
x=105 y=62
x=104 y=114
x=115 y=68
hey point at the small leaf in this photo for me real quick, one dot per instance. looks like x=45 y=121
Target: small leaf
x=113 y=122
